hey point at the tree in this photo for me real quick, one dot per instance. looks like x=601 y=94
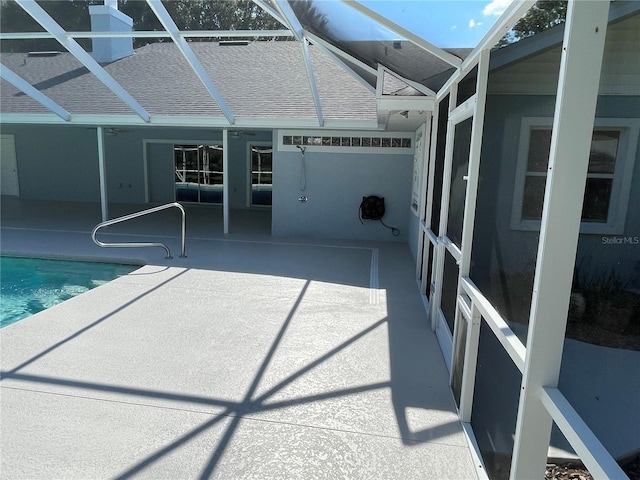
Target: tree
x=543 y=15
x=200 y=15
x=73 y=15
x=215 y=14
x=310 y=17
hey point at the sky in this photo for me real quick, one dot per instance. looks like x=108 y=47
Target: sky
x=445 y=23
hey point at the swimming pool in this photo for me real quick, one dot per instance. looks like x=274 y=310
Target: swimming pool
x=30 y=285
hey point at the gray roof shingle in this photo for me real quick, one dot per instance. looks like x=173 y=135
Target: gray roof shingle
x=258 y=80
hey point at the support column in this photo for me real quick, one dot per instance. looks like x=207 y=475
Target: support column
x=104 y=204
x=225 y=179
x=583 y=45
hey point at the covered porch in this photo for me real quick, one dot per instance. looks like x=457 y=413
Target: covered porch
x=252 y=357
x=514 y=193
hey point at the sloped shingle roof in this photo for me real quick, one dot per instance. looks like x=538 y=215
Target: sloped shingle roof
x=261 y=80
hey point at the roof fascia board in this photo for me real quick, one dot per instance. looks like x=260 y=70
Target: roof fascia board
x=49 y=24
x=333 y=56
x=507 y=20
x=87 y=119
x=294 y=24
x=32 y=118
x=170 y=26
x=151 y=34
x=293 y=123
x=185 y=121
x=403 y=32
x=33 y=92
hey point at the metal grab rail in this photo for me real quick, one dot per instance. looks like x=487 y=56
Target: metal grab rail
x=141 y=244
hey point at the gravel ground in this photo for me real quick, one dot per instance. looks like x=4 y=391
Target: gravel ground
x=575 y=472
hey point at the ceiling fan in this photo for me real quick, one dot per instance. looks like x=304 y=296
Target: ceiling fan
x=111 y=131
x=240 y=133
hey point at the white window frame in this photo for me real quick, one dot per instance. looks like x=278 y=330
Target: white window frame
x=629 y=129
x=250 y=146
x=216 y=146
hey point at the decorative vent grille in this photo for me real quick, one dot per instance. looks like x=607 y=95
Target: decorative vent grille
x=344 y=141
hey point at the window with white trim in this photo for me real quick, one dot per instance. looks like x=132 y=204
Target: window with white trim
x=612 y=155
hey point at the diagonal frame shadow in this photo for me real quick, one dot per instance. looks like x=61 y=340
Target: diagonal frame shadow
x=88 y=327
x=234 y=411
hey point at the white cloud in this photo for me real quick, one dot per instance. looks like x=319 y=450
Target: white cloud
x=454 y=27
x=496 y=7
x=472 y=23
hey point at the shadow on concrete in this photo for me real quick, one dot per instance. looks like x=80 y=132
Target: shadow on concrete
x=418 y=382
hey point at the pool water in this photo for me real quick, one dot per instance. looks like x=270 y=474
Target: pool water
x=30 y=285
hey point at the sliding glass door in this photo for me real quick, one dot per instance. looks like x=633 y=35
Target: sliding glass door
x=198 y=173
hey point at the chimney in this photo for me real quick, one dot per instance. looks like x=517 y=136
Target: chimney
x=107 y=18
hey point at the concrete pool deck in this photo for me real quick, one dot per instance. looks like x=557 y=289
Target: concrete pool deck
x=254 y=357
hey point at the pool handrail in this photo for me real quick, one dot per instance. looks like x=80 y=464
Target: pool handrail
x=142 y=244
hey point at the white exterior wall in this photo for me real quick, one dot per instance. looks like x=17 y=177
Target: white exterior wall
x=335 y=185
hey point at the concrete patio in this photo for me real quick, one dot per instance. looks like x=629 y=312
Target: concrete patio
x=253 y=357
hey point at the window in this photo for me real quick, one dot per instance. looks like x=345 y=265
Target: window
x=261 y=174
x=608 y=177
x=198 y=173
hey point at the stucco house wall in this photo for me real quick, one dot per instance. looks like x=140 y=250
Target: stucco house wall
x=498 y=176
x=56 y=163
x=335 y=185
x=61 y=162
